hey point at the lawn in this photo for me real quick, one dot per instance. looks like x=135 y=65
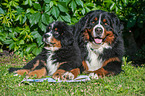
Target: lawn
x=131 y=82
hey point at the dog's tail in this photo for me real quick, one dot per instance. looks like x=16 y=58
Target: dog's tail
x=13 y=69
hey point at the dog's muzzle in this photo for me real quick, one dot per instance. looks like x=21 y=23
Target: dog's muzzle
x=97 y=34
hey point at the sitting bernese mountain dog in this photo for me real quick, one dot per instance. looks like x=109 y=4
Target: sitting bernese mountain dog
x=102 y=33
x=60 y=58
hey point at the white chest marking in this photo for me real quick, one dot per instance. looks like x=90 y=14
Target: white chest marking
x=51 y=66
x=93 y=61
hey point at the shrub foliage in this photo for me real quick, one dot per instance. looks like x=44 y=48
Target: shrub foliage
x=22 y=22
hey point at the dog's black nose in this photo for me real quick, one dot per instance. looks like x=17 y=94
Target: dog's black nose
x=99 y=30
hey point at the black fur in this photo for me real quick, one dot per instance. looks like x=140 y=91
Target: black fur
x=68 y=53
x=117 y=46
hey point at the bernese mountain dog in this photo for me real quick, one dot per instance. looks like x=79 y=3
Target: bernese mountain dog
x=60 y=58
x=102 y=33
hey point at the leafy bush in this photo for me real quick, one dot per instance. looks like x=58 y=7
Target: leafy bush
x=22 y=23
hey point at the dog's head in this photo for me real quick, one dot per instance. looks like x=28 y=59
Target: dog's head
x=101 y=27
x=58 y=34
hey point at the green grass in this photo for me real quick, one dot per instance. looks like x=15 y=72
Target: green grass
x=128 y=83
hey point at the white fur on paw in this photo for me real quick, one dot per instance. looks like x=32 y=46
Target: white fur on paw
x=57 y=78
x=68 y=76
x=15 y=74
x=93 y=76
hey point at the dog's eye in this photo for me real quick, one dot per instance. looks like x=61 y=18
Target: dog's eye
x=56 y=32
x=96 y=19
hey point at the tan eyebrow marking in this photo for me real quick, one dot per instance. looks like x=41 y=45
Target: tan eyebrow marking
x=104 y=20
x=96 y=19
x=55 y=29
x=93 y=22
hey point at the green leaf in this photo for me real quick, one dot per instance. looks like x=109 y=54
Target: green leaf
x=131 y=22
x=87 y=9
x=45 y=18
x=1 y=11
x=62 y=7
x=73 y=5
x=36 y=51
x=125 y=2
x=55 y=12
x=47 y=7
x=25 y=2
x=18 y=17
x=42 y=26
x=34 y=19
x=8 y=41
x=79 y=2
x=83 y=11
x=39 y=40
x=11 y=46
x=21 y=42
x=66 y=1
x=89 y=4
x=35 y=34
x=24 y=19
x=112 y=7
x=37 y=6
x=30 y=2
x=47 y=1
x=30 y=47
x=66 y=17
x=51 y=4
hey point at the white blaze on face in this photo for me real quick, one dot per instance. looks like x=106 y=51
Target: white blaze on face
x=50 y=35
x=99 y=24
x=98 y=40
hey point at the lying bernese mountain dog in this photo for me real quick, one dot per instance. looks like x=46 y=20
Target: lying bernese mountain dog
x=59 y=58
x=102 y=33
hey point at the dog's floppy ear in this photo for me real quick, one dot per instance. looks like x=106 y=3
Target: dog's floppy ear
x=117 y=25
x=66 y=36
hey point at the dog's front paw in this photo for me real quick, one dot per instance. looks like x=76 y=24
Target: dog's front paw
x=93 y=76
x=58 y=74
x=68 y=76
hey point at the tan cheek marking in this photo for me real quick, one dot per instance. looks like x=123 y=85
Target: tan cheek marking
x=22 y=71
x=39 y=72
x=56 y=42
x=86 y=35
x=75 y=72
x=110 y=37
